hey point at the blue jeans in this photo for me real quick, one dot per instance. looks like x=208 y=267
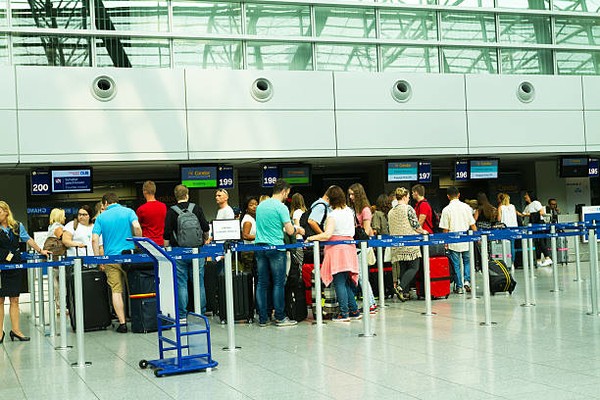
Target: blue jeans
x=270 y=263
x=184 y=275
x=345 y=293
x=455 y=261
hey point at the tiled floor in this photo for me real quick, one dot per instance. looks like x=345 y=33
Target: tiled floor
x=551 y=351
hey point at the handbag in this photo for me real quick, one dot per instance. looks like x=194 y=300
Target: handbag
x=55 y=246
x=371 y=259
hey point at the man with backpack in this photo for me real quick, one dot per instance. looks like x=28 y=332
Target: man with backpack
x=313 y=222
x=185 y=225
x=425 y=214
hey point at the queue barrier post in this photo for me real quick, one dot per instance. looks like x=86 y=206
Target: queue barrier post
x=196 y=281
x=577 y=260
x=532 y=266
x=380 y=277
x=367 y=332
x=593 y=246
x=229 y=301
x=79 y=318
x=472 y=267
x=51 y=302
x=553 y=241
x=427 y=278
x=40 y=297
x=31 y=284
x=317 y=269
x=62 y=292
x=525 y=255
x=486 y=282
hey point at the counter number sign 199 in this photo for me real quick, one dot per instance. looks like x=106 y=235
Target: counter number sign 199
x=225 y=177
x=40 y=183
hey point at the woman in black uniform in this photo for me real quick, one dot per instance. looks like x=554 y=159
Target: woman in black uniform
x=11 y=233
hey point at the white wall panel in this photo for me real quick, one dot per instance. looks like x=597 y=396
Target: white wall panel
x=591 y=92
x=499 y=122
x=401 y=133
x=101 y=135
x=9 y=153
x=227 y=90
x=499 y=92
x=257 y=134
x=360 y=91
x=370 y=122
x=71 y=88
x=7 y=83
x=505 y=132
x=592 y=130
x=225 y=120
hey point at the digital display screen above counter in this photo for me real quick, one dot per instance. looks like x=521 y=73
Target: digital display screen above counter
x=199 y=176
x=71 y=180
x=270 y=174
x=402 y=171
x=483 y=169
x=574 y=167
x=296 y=174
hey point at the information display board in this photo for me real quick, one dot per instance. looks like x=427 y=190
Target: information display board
x=402 y=171
x=461 y=170
x=424 y=172
x=483 y=169
x=71 y=180
x=574 y=167
x=41 y=184
x=296 y=174
x=593 y=168
x=225 y=176
x=199 y=176
x=270 y=174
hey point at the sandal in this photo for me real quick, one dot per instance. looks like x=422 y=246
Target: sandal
x=398 y=292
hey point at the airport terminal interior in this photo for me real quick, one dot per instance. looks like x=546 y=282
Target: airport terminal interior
x=486 y=95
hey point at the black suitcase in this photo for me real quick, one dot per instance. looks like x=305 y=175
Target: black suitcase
x=388 y=282
x=211 y=283
x=295 y=293
x=96 y=314
x=243 y=297
x=500 y=278
x=142 y=300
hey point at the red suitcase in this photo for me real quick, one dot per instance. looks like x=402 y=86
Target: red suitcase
x=439 y=270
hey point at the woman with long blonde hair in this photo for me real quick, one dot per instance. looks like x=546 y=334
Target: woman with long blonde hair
x=11 y=233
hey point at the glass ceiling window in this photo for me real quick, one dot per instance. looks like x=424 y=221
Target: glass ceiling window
x=141 y=53
x=277 y=20
x=469 y=61
x=132 y=15
x=525 y=4
x=592 y=6
x=201 y=17
x=51 y=51
x=346 y=58
x=207 y=54
x=468 y=3
x=280 y=56
x=578 y=62
x=468 y=27
x=335 y=22
x=578 y=31
x=70 y=14
x=415 y=25
x=525 y=29
x=410 y=59
x=518 y=61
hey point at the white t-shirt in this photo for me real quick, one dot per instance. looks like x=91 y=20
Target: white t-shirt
x=296 y=217
x=509 y=215
x=249 y=218
x=83 y=234
x=532 y=207
x=53 y=227
x=344 y=221
x=457 y=217
x=225 y=213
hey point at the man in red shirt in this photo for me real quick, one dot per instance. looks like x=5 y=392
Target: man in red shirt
x=423 y=208
x=152 y=214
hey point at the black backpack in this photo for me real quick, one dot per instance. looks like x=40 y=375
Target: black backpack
x=309 y=231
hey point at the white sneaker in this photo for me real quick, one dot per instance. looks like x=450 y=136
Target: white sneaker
x=286 y=322
x=547 y=261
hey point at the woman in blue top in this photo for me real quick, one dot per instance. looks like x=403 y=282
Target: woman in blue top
x=11 y=233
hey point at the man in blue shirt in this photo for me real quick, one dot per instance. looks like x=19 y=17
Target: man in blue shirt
x=272 y=218
x=115 y=225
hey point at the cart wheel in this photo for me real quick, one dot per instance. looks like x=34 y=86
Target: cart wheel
x=143 y=364
x=157 y=372
x=250 y=320
x=446 y=296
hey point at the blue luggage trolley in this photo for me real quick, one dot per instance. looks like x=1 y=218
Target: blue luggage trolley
x=191 y=344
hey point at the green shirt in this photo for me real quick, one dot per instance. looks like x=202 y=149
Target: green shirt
x=271 y=216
